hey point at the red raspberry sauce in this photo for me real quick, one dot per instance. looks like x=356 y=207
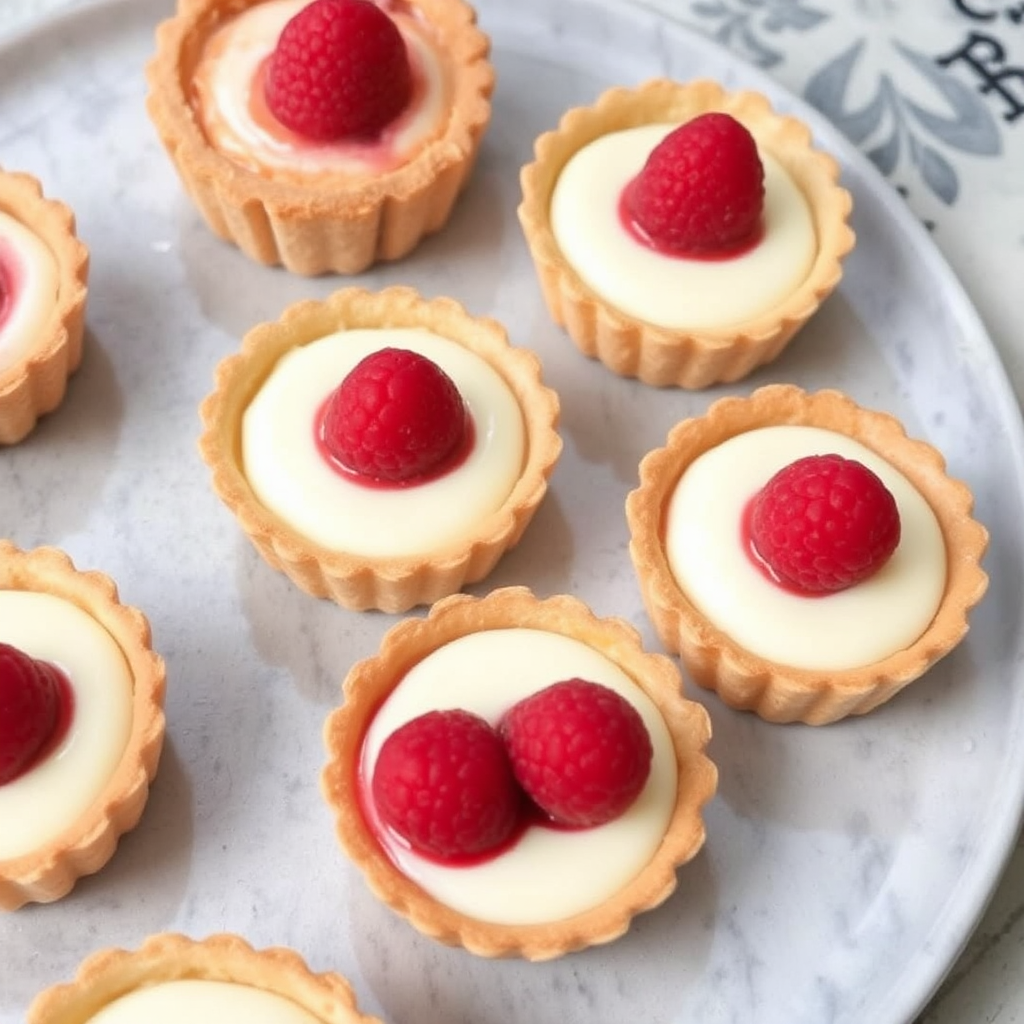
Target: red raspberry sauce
x=451 y=462
x=637 y=233
x=11 y=271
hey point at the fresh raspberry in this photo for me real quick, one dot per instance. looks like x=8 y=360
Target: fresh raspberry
x=701 y=191
x=579 y=750
x=29 y=707
x=340 y=69
x=824 y=523
x=443 y=782
x=395 y=416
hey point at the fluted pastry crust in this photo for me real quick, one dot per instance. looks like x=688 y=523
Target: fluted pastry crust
x=49 y=872
x=776 y=692
x=369 y=683
x=344 y=226
x=36 y=384
x=111 y=973
x=657 y=355
x=355 y=581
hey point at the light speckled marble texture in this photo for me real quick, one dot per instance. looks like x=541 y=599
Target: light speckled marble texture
x=844 y=867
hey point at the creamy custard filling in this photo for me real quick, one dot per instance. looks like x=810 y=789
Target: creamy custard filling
x=228 y=89
x=38 y=805
x=670 y=291
x=549 y=874
x=29 y=284
x=200 y=1001
x=845 y=630
x=290 y=476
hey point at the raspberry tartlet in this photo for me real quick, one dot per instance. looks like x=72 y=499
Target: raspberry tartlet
x=172 y=977
x=683 y=234
x=83 y=724
x=559 y=865
x=43 y=273
x=323 y=163
x=305 y=434
x=805 y=558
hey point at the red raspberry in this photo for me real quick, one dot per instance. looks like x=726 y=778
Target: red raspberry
x=443 y=782
x=29 y=707
x=824 y=523
x=340 y=69
x=702 y=188
x=396 y=416
x=579 y=750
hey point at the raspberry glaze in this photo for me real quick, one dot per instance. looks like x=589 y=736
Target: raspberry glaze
x=11 y=277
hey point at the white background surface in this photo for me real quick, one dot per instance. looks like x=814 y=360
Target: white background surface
x=844 y=866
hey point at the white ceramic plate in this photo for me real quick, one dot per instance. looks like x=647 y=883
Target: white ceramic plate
x=844 y=866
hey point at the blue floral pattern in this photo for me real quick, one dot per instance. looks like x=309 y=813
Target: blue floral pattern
x=747 y=26
x=892 y=123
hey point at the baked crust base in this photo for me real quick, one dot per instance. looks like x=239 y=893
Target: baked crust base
x=779 y=693
x=369 y=683
x=48 y=873
x=355 y=581
x=36 y=385
x=656 y=355
x=112 y=973
x=344 y=226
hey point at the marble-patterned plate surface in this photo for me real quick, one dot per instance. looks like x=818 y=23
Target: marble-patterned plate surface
x=844 y=867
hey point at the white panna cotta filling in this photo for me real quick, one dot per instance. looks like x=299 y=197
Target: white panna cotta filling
x=38 y=805
x=671 y=291
x=237 y=122
x=549 y=874
x=849 y=629
x=291 y=477
x=29 y=283
x=200 y=1001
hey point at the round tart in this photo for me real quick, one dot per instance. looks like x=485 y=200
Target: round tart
x=303 y=209
x=542 y=867
x=43 y=273
x=616 y=311
x=171 y=977
x=53 y=612
x=823 y=657
x=362 y=567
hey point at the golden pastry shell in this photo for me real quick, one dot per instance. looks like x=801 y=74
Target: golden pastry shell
x=36 y=384
x=49 y=872
x=780 y=693
x=344 y=226
x=370 y=682
x=112 y=973
x=354 y=581
x=662 y=356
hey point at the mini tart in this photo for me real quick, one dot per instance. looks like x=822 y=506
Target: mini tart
x=657 y=355
x=371 y=681
x=776 y=692
x=36 y=384
x=112 y=973
x=49 y=872
x=398 y=583
x=323 y=227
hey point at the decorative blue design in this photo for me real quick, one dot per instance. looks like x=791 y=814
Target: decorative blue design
x=967 y=128
x=742 y=25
